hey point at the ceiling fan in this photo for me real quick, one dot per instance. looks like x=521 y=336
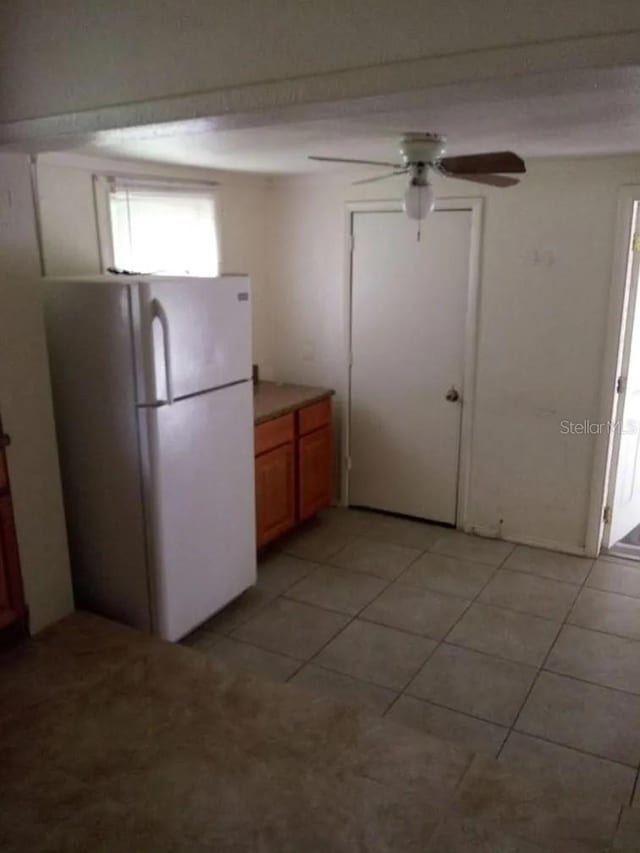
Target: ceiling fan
x=423 y=151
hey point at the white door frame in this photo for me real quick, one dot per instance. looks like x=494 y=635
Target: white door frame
x=615 y=363
x=475 y=206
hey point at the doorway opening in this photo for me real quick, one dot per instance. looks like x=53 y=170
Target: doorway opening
x=621 y=530
x=412 y=326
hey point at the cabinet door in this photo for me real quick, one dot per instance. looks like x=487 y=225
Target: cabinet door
x=4 y=477
x=315 y=463
x=11 y=596
x=275 y=493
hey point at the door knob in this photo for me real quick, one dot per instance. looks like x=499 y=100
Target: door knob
x=452 y=395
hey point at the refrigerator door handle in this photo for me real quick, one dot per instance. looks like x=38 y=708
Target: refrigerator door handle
x=158 y=313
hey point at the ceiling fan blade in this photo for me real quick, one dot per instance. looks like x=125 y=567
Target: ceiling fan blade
x=363 y=162
x=490 y=180
x=483 y=164
x=381 y=177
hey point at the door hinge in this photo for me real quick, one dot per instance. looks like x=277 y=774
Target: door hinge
x=621 y=384
x=606 y=515
x=350 y=359
x=352 y=242
x=348 y=463
x=635 y=243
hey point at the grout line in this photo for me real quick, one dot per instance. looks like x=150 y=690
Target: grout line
x=610 y=592
x=423 y=588
x=614 y=591
x=371 y=621
x=253 y=646
x=586 y=752
x=401 y=693
x=362 y=609
x=491 y=655
x=353 y=677
x=543 y=664
x=446 y=707
x=227 y=632
x=580 y=680
x=520 y=571
x=635 y=788
x=495 y=606
x=507 y=729
x=576 y=749
x=296 y=671
x=601 y=631
x=356 y=615
x=472 y=601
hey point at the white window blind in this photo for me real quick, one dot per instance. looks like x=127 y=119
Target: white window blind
x=163 y=229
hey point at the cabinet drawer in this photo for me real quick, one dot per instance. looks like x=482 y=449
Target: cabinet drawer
x=273 y=433
x=314 y=416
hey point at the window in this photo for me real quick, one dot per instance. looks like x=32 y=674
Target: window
x=162 y=228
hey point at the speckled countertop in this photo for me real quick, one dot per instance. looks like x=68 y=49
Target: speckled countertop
x=272 y=399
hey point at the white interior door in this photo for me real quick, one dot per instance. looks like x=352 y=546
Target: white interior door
x=409 y=311
x=626 y=500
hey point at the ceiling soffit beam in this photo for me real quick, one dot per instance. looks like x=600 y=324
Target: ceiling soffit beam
x=317 y=96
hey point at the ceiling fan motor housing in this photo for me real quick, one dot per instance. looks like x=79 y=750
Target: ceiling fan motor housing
x=422 y=148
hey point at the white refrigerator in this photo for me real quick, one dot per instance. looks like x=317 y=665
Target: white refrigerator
x=153 y=401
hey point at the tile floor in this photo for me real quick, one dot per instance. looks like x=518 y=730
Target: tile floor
x=524 y=654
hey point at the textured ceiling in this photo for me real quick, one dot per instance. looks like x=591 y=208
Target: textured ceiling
x=575 y=114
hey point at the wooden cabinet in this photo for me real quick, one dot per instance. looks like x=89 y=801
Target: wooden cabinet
x=314 y=478
x=13 y=612
x=293 y=469
x=4 y=474
x=275 y=493
x=275 y=478
x=315 y=459
x=11 y=600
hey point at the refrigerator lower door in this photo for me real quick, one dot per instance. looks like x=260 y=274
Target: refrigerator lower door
x=200 y=500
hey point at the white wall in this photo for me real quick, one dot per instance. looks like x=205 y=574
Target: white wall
x=69 y=57
x=541 y=328
x=25 y=404
x=541 y=324
x=70 y=231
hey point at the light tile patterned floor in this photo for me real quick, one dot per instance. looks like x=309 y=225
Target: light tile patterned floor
x=512 y=651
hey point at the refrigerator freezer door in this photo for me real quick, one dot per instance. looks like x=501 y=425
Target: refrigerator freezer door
x=195 y=335
x=201 y=501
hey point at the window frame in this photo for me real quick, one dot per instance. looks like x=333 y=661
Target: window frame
x=105 y=183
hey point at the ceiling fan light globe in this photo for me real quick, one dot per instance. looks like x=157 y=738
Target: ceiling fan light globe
x=419 y=200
